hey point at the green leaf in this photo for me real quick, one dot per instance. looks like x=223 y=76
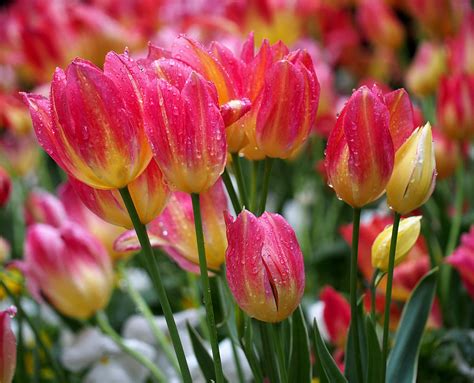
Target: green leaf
x=204 y=360
x=249 y=350
x=350 y=367
x=300 y=363
x=374 y=353
x=403 y=360
x=328 y=364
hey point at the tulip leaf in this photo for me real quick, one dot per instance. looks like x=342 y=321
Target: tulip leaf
x=350 y=367
x=403 y=360
x=300 y=363
x=328 y=365
x=203 y=358
x=374 y=353
x=249 y=350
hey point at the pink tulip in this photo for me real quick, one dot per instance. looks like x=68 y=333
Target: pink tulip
x=185 y=127
x=174 y=232
x=44 y=207
x=5 y=187
x=69 y=267
x=92 y=125
x=7 y=346
x=265 y=269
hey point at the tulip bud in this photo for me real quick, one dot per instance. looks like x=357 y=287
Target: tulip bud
x=426 y=69
x=92 y=126
x=69 y=267
x=5 y=250
x=288 y=108
x=414 y=174
x=7 y=346
x=174 y=231
x=380 y=24
x=461 y=47
x=149 y=194
x=408 y=233
x=186 y=131
x=359 y=153
x=5 y=187
x=43 y=207
x=265 y=269
x=447 y=155
x=455 y=106
x=336 y=314
x=463 y=261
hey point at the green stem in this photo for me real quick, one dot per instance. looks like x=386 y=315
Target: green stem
x=153 y=271
x=353 y=291
x=206 y=288
x=148 y=315
x=270 y=361
x=373 y=289
x=224 y=302
x=240 y=180
x=388 y=292
x=47 y=351
x=107 y=329
x=266 y=181
x=275 y=342
x=231 y=191
x=456 y=222
x=253 y=184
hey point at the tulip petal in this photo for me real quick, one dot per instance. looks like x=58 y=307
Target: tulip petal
x=401 y=116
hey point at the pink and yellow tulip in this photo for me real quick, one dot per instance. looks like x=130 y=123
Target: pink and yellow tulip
x=7 y=346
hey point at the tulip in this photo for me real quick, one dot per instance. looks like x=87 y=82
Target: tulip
x=461 y=47
x=5 y=250
x=289 y=102
x=77 y=212
x=455 y=106
x=380 y=24
x=425 y=71
x=414 y=174
x=43 y=207
x=174 y=232
x=7 y=346
x=5 y=187
x=408 y=233
x=69 y=267
x=402 y=116
x=360 y=153
x=463 y=261
x=265 y=269
x=149 y=194
x=19 y=153
x=186 y=129
x=92 y=126
x=447 y=155
x=337 y=315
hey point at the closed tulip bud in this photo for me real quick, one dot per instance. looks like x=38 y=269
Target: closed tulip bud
x=455 y=106
x=149 y=194
x=44 y=207
x=414 y=174
x=380 y=24
x=447 y=155
x=5 y=187
x=408 y=233
x=186 y=130
x=69 y=267
x=92 y=126
x=360 y=152
x=174 y=231
x=265 y=269
x=288 y=106
x=7 y=346
x=425 y=71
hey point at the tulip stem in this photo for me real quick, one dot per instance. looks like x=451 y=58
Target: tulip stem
x=253 y=184
x=388 y=292
x=266 y=181
x=231 y=191
x=148 y=315
x=47 y=351
x=104 y=325
x=153 y=271
x=240 y=180
x=373 y=289
x=206 y=287
x=269 y=357
x=353 y=291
